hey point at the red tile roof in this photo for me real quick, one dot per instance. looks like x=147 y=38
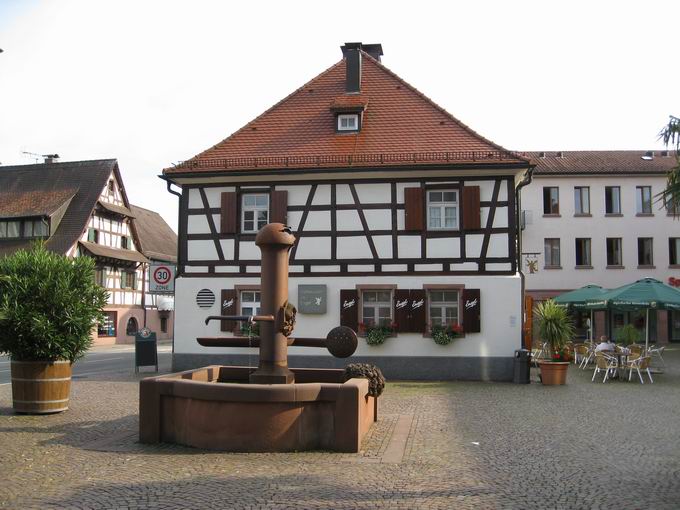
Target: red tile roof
x=42 y=202
x=602 y=162
x=401 y=126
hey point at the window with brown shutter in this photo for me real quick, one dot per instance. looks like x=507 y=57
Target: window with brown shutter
x=402 y=306
x=471 y=208
x=414 y=204
x=471 y=311
x=279 y=207
x=410 y=310
x=349 y=308
x=228 y=212
x=229 y=306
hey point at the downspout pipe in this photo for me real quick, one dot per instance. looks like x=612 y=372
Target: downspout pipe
x=526 y=180
x=169 y=183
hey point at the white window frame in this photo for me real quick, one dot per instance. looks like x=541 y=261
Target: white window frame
x=442 y=206
x=255 y=209
x=347 y=117
x=581 y=200
x=550 y=249
x=442 y=306
x=618 y=241
x=616 y=200
x=253 y=305
x=640 y=200
x=376 y=306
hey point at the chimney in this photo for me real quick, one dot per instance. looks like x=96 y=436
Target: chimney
x=352 y=54
x=50 y=158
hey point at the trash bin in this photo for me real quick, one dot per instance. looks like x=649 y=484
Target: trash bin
x=522 y=366
x=146 y=349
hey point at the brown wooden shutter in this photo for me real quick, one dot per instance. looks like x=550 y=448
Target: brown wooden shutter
x=471 y=311
x=413 y=203
x=402 y=305
x=418 y=311
x=229 y=306
x=279 y=207
x=471 y=212
x=228 y=213
x=349 y=308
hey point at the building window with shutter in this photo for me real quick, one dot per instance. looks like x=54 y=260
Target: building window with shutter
x=614 y=252
x=376 y=308
x=254 y=211
x=93 y=235
x=128 y=280
x=551 y=200
x=250 y=302
x=443 y=307
x=645 y=251
x=582 y=201
x=552 y=253
x=100 y=277
x=583 y=253
x=643 y=200
x=126 y=243
x=442 y=210
x=612 y=200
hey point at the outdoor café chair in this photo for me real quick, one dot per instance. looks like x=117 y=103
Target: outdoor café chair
x=608 y=364
x=641 y=363
x=653 y=350
x=588 y=357
x=580 y=353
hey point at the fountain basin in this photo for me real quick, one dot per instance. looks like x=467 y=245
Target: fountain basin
x=215 y=408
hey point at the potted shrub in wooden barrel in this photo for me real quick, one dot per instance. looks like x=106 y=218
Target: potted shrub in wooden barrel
x=49 y=305
x=556 y=328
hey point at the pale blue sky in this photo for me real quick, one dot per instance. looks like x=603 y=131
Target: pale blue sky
x=155 y=82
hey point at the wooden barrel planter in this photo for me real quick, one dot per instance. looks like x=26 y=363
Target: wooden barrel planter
x=41 y=387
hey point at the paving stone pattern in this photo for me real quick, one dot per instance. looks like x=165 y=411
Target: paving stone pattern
x=470 y=445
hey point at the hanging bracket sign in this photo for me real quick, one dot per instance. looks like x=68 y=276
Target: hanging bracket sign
x=161 y=279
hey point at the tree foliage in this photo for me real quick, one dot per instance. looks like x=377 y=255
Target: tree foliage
x=670 y=135
x=49 y=304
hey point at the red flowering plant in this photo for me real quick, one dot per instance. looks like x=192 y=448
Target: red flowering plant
x=561 y=354
x=445 y=334
x=376 y=334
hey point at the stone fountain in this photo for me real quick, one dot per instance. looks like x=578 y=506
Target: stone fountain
x=271 y=407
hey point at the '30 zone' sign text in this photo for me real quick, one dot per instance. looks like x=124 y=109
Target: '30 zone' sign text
x=161 y=278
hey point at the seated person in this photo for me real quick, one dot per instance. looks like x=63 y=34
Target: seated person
x=605 y=345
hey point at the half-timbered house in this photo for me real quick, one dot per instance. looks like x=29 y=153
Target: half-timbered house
x=403 y=215
x=81 y=208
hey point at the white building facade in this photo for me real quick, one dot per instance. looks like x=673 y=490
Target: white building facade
x=593 y=217
x=405 y=238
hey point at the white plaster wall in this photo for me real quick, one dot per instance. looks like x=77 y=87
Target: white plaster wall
x=198 y=224
x=201 y=250
x=374 y=193
x=297 y=195
x=322 y=196
x=567 y=228
x=500 y=316
x=355 y=247
x=378 y=219
x=443 y=247
x=348 y=220
x=313 y=248
x=214 y=196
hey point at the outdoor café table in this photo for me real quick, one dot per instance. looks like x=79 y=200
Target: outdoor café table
x=621 y=359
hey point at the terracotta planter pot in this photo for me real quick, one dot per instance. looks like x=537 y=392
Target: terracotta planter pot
x=554 y=372
x=40 y=387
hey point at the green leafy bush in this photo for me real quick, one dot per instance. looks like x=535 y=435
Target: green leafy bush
x=376 y=379
x=49 y=304
x=627 y=335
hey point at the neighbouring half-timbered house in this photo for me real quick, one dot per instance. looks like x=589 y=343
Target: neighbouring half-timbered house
x=81 y=208
x=404 y=217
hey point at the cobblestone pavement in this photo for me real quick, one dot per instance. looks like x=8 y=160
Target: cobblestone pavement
x=470 y=445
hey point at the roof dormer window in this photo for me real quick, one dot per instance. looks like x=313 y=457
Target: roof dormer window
x=348 y=122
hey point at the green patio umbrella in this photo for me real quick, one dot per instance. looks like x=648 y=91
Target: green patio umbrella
x=646 y=294
x=578 y=298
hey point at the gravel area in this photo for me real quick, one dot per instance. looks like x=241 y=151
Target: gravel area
x=470 y=445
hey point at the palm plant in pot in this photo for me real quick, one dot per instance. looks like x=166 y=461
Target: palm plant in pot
x=49 y=305
x=556 y=328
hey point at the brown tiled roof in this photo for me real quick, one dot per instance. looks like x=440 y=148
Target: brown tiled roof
x=401 y=127
x=117 y=209
x=602 y=162
x=100 y=250
x=350 y=102
x=40 y=202
x=157 y=239
x=84 y=180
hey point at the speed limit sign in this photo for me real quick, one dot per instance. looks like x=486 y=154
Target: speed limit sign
x=161 y=278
